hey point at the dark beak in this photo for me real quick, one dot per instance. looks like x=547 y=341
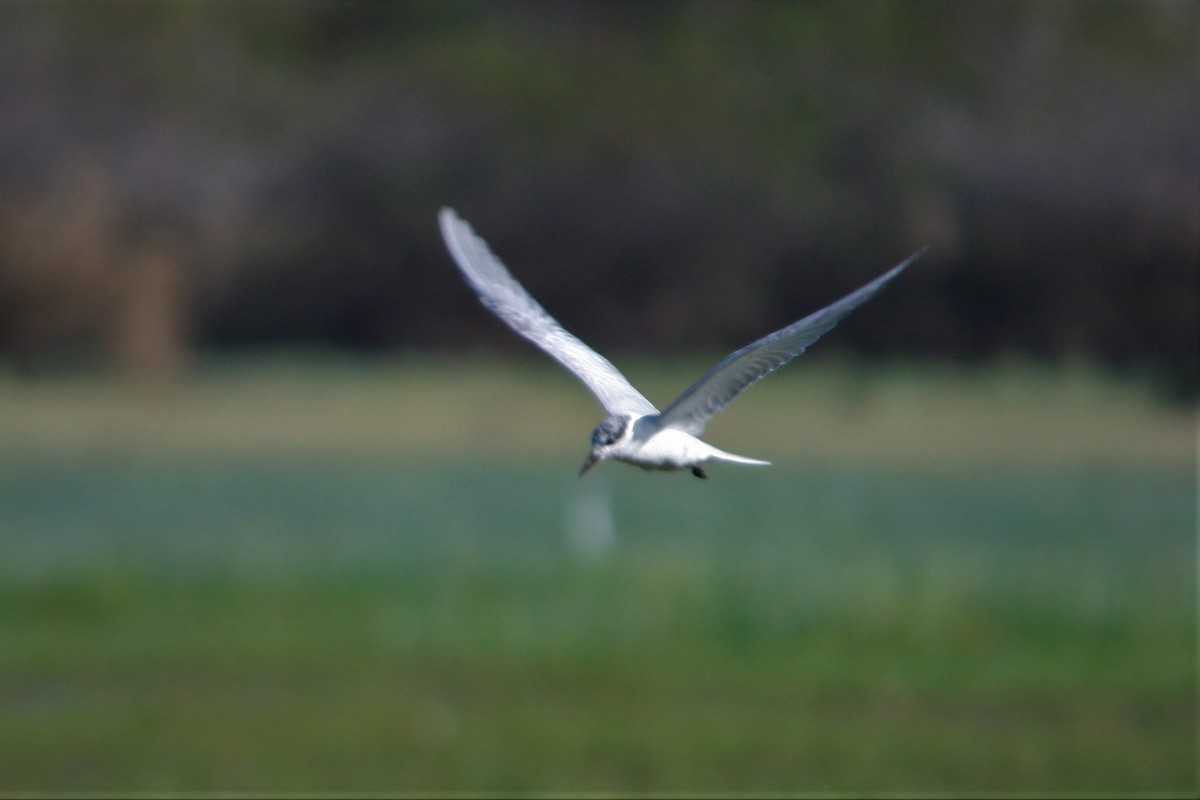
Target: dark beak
x=591 y=459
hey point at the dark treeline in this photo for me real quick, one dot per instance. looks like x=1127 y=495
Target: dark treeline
x=661 y=175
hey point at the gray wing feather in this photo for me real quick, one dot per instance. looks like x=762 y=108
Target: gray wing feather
x=509 y=301
x=692 y=410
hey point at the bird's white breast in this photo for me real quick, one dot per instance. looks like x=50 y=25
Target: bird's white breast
x=668 y=448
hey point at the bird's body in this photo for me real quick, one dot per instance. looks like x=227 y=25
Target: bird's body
x=634 y=430
x=644 y=441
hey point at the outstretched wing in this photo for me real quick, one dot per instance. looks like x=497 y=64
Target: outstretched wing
x=509 y=301
x=692 y=410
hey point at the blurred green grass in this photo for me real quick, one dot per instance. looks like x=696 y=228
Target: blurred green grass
x=230 y=584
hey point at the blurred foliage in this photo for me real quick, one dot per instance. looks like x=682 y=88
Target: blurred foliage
x=662 y=175
x=351 y=575
x=177 y=625
x=348 y=576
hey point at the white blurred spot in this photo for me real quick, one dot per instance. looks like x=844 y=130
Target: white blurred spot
x=591 y=532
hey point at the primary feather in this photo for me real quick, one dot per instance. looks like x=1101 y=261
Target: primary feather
x=692 y=410
x=509 y=301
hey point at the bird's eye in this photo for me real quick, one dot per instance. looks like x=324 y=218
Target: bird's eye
x=606 y=434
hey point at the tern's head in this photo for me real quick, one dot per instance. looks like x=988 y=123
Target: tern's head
x=608 y=437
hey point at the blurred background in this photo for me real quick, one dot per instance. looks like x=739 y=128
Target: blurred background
x=283 y=508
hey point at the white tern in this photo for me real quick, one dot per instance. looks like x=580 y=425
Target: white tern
x=634 y=430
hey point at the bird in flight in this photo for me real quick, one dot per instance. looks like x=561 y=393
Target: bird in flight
x=634 y=430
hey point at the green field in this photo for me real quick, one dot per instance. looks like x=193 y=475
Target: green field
x=282 y=575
